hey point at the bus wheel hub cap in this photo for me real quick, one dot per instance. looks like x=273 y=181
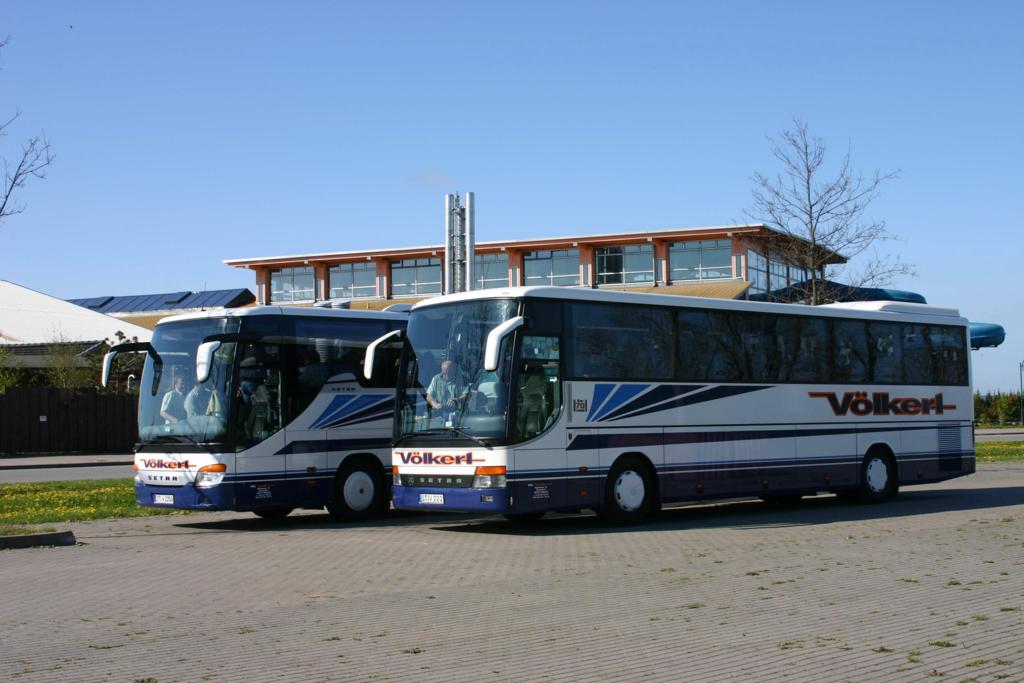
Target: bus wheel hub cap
x=878 y=475
x=358 y=491
x=629 y=491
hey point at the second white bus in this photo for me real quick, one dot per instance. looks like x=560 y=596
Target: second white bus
x=565 y=399
x=264 y=409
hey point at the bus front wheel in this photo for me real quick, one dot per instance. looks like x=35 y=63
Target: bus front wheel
x=878 y=478
x=359 y=492
x=630 y=492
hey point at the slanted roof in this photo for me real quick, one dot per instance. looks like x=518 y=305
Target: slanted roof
x=755 y=231
x=31 y=317
x=711 y=289
x=169 y=301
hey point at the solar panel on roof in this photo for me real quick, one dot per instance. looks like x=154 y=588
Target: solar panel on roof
x=175 y=297
x=215 y=298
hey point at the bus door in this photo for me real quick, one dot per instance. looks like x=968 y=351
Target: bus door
x=538 y=422
x=259 y=437
x=310 y=394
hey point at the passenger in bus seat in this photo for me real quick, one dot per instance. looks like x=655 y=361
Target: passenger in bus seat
x=533 y=401
x=313 y=373
x=197 y=401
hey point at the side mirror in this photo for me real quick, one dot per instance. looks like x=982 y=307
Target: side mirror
x=108 y=361
x=204 y=360
x=371 y=351
x=494 y=339
x=132 y=347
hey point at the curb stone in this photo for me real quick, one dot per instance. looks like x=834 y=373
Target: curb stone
x=34 y=540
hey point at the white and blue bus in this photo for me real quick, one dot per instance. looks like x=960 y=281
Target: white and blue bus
x=265 y=409
x=528 y=400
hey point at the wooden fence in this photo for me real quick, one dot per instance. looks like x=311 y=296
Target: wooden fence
x=45 y=420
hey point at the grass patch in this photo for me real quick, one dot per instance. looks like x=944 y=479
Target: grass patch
x=999 y=451
x=942 y=643
x=10 y=530
x=71 y=501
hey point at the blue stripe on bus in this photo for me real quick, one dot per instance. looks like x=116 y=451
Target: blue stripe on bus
x=666 y=396
x=597 y=441
x=601 y=392
x=691 y=398
x=622 y=393
x=306 y=447
x=345 y=409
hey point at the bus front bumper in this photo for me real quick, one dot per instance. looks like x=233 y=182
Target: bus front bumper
x=188 y=497
x=451 y=499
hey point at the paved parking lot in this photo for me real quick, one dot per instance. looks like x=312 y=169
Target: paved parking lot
x=928 y=587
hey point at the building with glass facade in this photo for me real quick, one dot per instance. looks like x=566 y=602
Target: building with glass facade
x=732 y=261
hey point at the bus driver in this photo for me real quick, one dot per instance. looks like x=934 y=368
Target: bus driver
x=447 y=390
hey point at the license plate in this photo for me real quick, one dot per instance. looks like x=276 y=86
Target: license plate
x=432 y=498
x=163 y=499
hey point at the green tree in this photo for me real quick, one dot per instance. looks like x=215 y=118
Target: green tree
x=822 y=214
x=65 y=365
x=1008 y=408
x=8 y=370
x=31 y=162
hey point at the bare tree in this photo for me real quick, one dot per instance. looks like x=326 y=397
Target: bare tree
x=35 y=157
x=821 y=217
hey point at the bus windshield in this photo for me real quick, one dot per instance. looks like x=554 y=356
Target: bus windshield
x=173 y=407
x=444 y=388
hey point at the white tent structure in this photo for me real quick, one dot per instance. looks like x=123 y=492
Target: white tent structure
x=31 y=321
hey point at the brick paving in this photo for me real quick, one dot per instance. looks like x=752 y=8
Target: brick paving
x=927 y=587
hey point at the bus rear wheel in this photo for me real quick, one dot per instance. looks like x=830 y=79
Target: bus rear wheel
x=878 y=478
x=359 y=492
x=271 y=514
x=630 y=494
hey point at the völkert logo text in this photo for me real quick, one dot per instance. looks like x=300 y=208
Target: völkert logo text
x=161 y=464
x=428 y=458
x=878 y=403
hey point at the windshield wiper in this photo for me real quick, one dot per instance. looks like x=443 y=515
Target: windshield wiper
x=474 y=438
x=445 y=430
x=175 y=438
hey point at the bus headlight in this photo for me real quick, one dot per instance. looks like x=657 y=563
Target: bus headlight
x=211 y=475
x=492 y=477
x=396 y=478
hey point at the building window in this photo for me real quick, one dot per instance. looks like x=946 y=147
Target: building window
x=416 y=277
x=631 y=264
x=702 y=260
x=490 y=271
x=353 y=280
x=777 y=276
x=559 y=267
x=757 y=273
x=292 y=284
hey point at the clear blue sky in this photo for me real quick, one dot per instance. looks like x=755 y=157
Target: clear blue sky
x=191 y=132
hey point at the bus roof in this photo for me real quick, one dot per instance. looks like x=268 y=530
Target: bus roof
x=880 y=310
x=288 y=310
